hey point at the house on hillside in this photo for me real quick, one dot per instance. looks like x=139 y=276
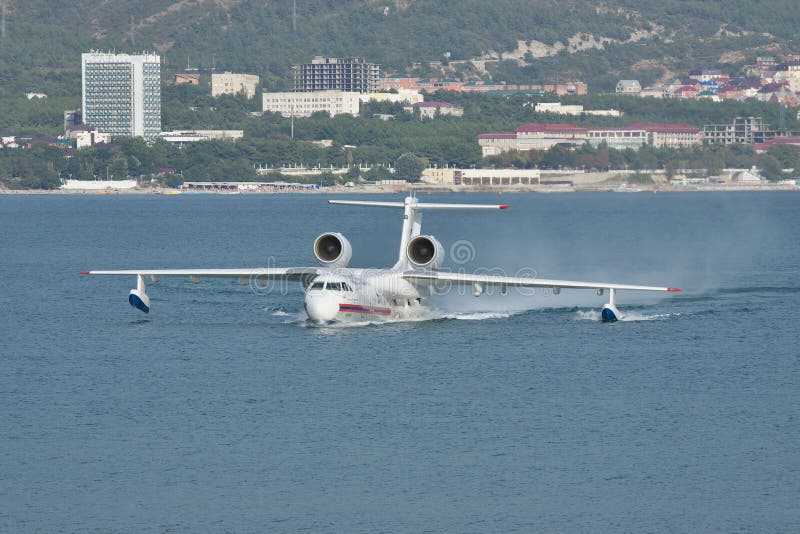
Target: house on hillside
x=187 y=79
x=629 y=87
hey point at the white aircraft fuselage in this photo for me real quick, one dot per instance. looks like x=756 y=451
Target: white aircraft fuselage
x=361 y=295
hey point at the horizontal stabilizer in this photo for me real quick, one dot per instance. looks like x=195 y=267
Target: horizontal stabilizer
x=418 y=206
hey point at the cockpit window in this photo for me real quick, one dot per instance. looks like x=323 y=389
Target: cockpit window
x=331 y=286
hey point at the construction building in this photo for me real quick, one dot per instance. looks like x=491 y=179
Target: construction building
x=747 y=130
x=337 y=74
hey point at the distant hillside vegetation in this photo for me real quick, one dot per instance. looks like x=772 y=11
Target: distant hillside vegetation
x=533 y=40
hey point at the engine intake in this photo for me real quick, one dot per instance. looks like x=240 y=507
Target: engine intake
x=425 y=251
x=333 y=250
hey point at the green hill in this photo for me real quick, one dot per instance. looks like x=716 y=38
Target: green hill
x=42 y=40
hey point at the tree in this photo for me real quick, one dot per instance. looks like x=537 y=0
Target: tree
x=770 y=167
x=409 y=167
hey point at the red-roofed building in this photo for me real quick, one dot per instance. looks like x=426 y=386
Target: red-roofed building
x=686 y=91
x=545 y=136
x=397 y=82
x=730 y=92
x=793 y=140
x=789 y=140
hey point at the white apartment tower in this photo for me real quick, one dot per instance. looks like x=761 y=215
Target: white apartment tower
x=122 y=93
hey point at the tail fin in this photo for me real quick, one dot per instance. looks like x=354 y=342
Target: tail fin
x=412 y=217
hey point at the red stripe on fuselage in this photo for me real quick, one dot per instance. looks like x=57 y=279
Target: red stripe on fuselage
x=369 y=310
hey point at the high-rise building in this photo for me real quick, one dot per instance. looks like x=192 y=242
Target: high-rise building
x=337 y=74
x=122 y=93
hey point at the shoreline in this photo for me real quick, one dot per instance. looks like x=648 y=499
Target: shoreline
x=426 y=188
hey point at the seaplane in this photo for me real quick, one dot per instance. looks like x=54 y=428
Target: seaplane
x=335 y=292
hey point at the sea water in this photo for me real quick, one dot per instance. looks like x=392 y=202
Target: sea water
x=224 y=410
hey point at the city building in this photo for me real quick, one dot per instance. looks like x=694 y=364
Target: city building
x=532 y=136
x=788 y=73
x=747 y=130
x=560 y=109
x=400 y=81
x=619 y=137
x=687 y=92
x=31 y=96
x=88 y=136
x=72 y=118
x=337 y=74
x=431 y=110
x=122 y=93
x=495 y=143
x=792 y=140
x=181 y=137
x=408 y=96
x=546 y=136
x=487 y=177
x=304 y=104
x=8 y=140
x=670 y=135
x=231 y=83
x=707 y=75
x=629 y=87
x=187 y=78
x=751 y=177
x=655 y=92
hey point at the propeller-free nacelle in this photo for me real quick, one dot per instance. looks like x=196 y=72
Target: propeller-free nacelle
x=424 y=251
x=333 y=250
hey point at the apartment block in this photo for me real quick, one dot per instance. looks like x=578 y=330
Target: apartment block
x=231 y=83
x=122 y=93
x=304 y=104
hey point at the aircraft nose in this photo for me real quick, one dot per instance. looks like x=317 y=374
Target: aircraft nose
x=322 y=308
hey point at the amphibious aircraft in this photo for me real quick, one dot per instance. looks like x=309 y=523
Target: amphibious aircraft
x=336 y=292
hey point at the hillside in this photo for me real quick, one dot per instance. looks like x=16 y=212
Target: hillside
x=514 y=40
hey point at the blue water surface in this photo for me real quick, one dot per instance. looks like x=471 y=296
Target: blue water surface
x=222 y=410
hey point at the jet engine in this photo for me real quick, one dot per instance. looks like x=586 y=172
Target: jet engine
x=333 y=250
x=425 y=251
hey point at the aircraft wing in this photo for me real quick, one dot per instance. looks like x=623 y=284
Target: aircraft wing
x=138 y=297
x=481 y=280
x=268 y=273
